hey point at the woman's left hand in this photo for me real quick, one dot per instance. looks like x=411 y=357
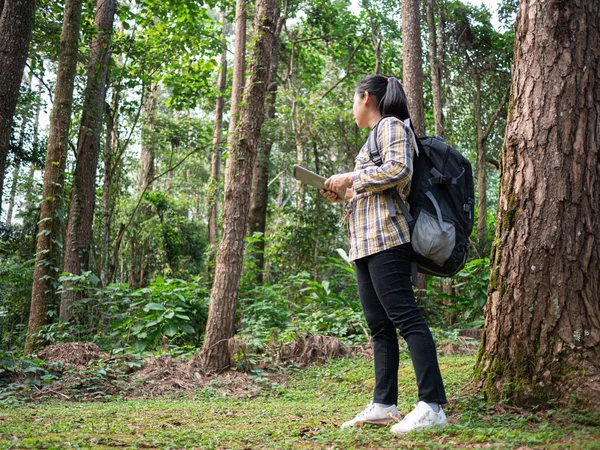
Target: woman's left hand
x=339 y=182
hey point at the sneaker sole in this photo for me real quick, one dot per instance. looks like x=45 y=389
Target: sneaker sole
x=380 y=423
x=419 y=429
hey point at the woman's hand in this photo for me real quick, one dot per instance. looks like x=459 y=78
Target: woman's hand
x=333 y=197
x=339 y=182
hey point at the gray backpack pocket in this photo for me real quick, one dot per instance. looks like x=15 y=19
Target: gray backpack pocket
x=433 y=240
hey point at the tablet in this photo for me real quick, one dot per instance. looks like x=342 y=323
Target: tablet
x=311 y=178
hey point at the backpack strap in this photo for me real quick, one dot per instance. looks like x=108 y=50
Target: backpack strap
x=391 y=194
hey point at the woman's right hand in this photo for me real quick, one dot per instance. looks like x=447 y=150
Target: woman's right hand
x=333 y=197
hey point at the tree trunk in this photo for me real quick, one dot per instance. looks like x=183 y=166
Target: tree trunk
x=300 y=152
x=215 y=166
x=49 y=238
x=412 y=72
x=237 y=80
x=83 y=191
x=221 y=316
x=436 y=71
x=257 y=220
x=109 y=190
x=147 y=151
x=16 y=26
x=13 y=192
x=542 y=332
x=412 y=75
x=481 y=170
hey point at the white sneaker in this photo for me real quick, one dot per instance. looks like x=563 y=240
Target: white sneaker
x=420 y=418
x=375 y=415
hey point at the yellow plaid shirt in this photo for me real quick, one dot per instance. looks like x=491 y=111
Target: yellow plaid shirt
x=371 y=228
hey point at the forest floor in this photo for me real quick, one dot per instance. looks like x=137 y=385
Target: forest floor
x=294 y=406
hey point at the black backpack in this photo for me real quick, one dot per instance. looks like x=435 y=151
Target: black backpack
x=440 y=206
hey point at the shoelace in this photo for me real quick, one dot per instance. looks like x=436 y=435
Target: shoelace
x=366 y=411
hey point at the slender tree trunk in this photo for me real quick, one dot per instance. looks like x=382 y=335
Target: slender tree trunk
x=221 y=316
x=16 y=26
x=237 y=81
x=49 y=239
x=257 y=222
x=542 y=332
x=13 y=192
x=83 y=191
x=147 y=151
x=481 y=170
x=215 y=165
x=300 y=152
x=436 y=70
x=111 y=170
x=412 y=72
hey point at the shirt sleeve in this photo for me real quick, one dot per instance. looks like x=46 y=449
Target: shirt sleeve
x=396 y=170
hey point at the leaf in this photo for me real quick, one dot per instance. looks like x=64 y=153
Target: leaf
x=154 y=307
x=170 y=330
x=188 y=328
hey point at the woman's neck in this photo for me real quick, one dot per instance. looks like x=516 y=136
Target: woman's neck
x=374 y=117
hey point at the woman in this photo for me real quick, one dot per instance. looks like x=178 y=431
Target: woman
x=380 y=248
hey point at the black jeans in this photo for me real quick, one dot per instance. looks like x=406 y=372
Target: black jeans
x=388 y=302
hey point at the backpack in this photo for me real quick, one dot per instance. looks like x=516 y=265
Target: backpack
x=440 y=206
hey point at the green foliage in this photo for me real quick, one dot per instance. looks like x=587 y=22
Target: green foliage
x=172 y=308
x=467 y=303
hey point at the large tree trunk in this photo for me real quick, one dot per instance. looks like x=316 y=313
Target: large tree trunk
x=257 y=220
x=16 y=26
x=412 y=72
x=542 y=332
x=221 y=316
x=412 y=75
x=215 y=165
x=83 y=191
x=49 y=239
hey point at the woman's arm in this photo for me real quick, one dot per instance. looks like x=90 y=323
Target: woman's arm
x=396 y=169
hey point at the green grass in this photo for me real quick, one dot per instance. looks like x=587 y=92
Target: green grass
x=301 y=408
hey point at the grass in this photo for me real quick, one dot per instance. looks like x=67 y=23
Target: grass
x=300 y=408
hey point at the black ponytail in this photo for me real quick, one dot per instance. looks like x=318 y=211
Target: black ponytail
x=389 y=94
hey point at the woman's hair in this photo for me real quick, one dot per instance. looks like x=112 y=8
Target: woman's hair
x=389 y=93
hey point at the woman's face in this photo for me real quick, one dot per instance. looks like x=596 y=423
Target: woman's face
x=360 y=109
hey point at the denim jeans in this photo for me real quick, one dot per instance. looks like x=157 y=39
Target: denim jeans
x=388 y=302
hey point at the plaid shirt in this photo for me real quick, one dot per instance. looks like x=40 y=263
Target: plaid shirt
x=371 y=229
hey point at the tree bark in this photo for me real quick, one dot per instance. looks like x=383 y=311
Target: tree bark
x=147 y=151
x=16 y=27
x=542 y=332
x=412 y=72
x=215 y=166
x=257 y=220
x=237 y=80
x=412 y=75
x=221 y=316
x=49 y=237
x=435 y=62
x=111 y=167
x=83 y=191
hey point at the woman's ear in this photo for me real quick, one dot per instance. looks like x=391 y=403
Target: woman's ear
x=366 y=98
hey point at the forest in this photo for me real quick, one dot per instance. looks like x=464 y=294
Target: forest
x=156 y=248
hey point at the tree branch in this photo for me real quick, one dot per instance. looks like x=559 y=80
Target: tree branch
x=494 y=117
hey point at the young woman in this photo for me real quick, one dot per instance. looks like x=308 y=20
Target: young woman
x=380 y=248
